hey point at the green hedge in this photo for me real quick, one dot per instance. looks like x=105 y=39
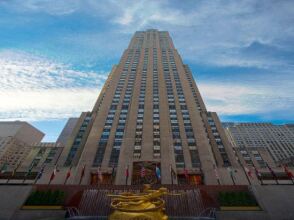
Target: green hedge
x=236 y=199
x=46 y=198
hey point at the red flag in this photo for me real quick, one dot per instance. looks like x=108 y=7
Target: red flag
x=258 y=174
x=127 y=171
x=143 y=172
x=53 y=174
x=127 y=174
x=68 y=173
x=272 y=172
x=288 y=172
x=186 y=173
x=248 y=171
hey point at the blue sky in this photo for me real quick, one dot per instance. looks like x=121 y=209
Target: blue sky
x=56 y=55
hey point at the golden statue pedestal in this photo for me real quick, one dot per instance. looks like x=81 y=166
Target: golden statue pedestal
x=141 y=206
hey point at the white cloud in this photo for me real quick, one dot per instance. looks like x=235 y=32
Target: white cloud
x=237 y=99
x=46 y=104
x=210 y=32
x=214 y=33
x=59 y=8
x=34 y=88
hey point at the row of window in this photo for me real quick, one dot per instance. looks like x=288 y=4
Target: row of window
x=102 y=144
x=185 y=114
x=218 y=141
x=140 y=114
x=77 y=141
x=178 y=150
x=114 y=157
x=156 y=127
x=191 y=80
x=246 y=156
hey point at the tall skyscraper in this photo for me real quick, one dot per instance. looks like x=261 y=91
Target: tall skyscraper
x=150 y=116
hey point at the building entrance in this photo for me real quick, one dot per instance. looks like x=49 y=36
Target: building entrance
x=145 y=173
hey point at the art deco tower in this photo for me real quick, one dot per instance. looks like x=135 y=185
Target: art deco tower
x=150 y=113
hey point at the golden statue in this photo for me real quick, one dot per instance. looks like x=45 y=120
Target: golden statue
x=141 y=206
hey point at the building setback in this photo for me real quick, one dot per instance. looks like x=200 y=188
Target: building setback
x=150 y=115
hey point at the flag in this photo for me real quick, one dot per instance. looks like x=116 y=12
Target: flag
x=68 y=174
x=127 y=171
x=272 y=172
x=288 y=172
x=186 y=173
x=258 y=174
x=127 y=174
x=142 y=172
x=100 y=176
x=83 y=173
x=249 y=173
x=53 y=174
x=157 y=172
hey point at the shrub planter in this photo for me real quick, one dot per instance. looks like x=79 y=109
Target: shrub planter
x=45 y=200
x=42 y=207
x=240 y=208
x=237 y=201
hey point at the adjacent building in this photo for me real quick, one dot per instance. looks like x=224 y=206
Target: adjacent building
x=43 y=154
x=278 y=140
x=16 y=138
x=263 y=148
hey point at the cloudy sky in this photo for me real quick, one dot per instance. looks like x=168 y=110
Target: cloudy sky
x=56 y=55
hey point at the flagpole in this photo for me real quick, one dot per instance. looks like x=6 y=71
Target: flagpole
x=288 y=173
x=231 y=175
x=67 y=175
x=65 y=181
x=8 y=178
x=82 y=175
x=232 y=179
x=216 y=174
x=53 y=174
x=35 y=181
x=246 y=175
x=171 y=174
x=50 y=181
x=127 y=175
x=256 y=173
x=273 y=174
x=29 y=171
x=112 y=174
